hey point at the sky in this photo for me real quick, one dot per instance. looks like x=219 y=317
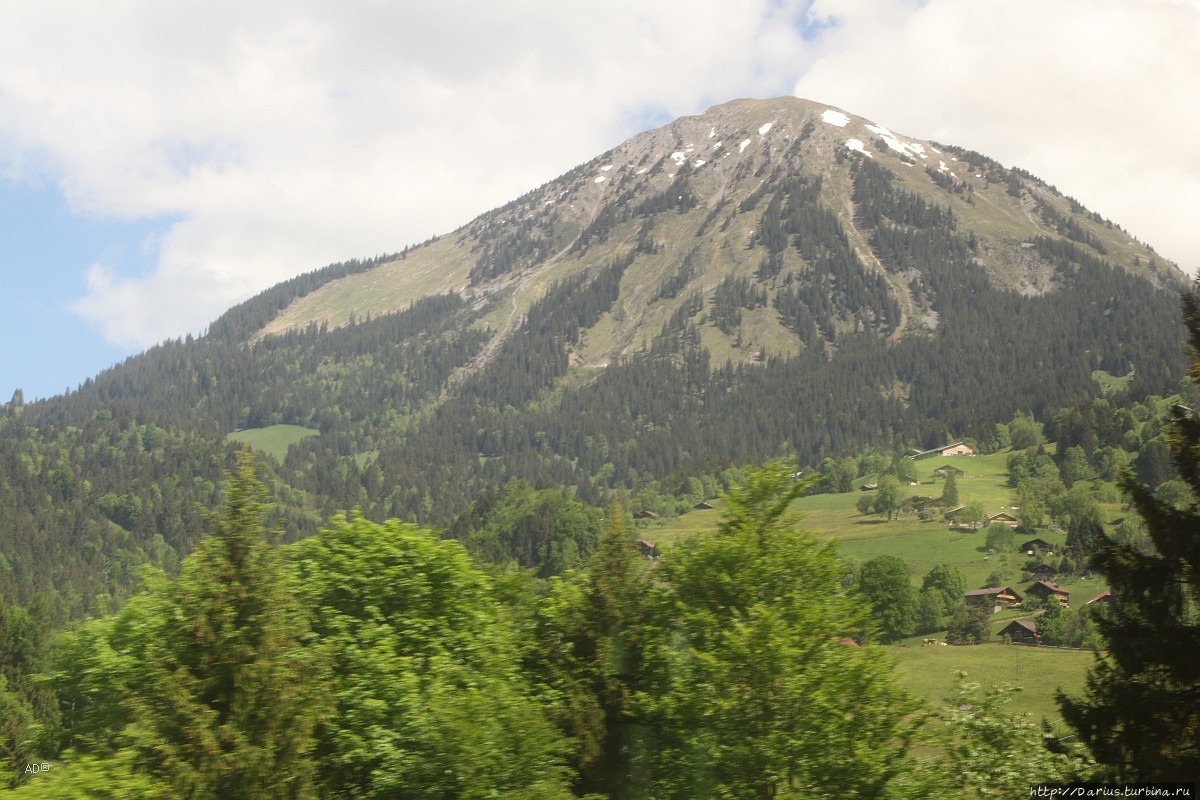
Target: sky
x=161 y=162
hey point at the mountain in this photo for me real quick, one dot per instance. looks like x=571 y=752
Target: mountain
x=772 y=277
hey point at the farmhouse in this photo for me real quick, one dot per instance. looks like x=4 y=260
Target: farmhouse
x=995 y=597
x=1036 y=545
x=956 y=449
x=1021 y=630
x=1047 y=590
x=1003 y=518
x=1103 y=597
x=946 y=469
x=644 y=514
x=1044 y=572
x=646 y=549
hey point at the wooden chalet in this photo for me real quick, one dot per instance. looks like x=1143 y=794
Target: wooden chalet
x=947 y=469
x=1043 y=572
x=1047 y=590
x=1036 y=546
x=644 y=514
x=956 y=449
x=646 y=549
x=703 y=505
x=994 y=597
x=1003 y=518
x=1103 y=597
x=1021 y=630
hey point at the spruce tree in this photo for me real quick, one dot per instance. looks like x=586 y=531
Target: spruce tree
x=227 y=699
x=950 y=491
x=1140 y=713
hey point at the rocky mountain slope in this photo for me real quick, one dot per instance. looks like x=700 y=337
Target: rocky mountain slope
x=717 y=174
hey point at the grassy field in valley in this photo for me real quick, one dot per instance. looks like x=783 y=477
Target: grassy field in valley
x=931 y=672
x=273 y=440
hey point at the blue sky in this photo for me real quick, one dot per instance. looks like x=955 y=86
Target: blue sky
x=161 y=162
x=43 y=246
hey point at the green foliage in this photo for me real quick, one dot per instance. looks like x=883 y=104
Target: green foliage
x=885 y=500
x=949 y=496
x=1000 y=537
x=969 y=625
x=1024 y=432
x=993 y=752
x=590 y=634
x=947 y=581
x=1068 y=627
x=1140 y=714
x=753 y=696
x=429 y=700
x=545 y=530
x=932 y=612
x=887 y=587
x=87 y=776
x=205 y=680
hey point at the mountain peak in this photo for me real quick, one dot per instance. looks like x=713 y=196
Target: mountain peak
x=698 y=202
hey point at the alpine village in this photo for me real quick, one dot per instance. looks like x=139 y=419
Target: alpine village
x=770 y=454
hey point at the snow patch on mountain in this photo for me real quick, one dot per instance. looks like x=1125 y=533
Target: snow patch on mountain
x=856 y=144
x=835 y=118
x=894 y=142
x=763 y=130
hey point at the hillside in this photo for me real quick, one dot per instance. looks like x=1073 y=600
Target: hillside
x=772 y=277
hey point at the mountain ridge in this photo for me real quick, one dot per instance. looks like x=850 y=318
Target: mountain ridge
x=725 y=154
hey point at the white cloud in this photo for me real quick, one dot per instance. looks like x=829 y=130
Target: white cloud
x=280 y=137
x=284 y=136
x=1095 y=96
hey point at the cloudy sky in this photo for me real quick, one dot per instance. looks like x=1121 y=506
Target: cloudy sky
x=160 y=162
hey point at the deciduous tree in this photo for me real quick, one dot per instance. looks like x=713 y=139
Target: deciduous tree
x=755 y=697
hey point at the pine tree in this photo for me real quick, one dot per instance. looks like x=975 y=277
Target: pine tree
x=1140 y=714
x=226 y=703
x=950 y=491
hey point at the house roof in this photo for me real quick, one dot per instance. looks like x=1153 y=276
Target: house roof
x=1002 y=515
x=991 y=590
x=1027 y=624
x=1036 y=543
x=1053 y=587
x=1103 y=597
x=919 y=453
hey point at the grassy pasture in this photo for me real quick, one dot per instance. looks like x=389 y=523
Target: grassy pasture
x=273 y=440
x=931 y=672
x=1038 y=672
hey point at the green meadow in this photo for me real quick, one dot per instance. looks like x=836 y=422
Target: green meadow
x=1037 y=673
x=273 y=440
x=931 y=671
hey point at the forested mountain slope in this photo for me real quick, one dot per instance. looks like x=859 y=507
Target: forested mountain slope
x=769 y=278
